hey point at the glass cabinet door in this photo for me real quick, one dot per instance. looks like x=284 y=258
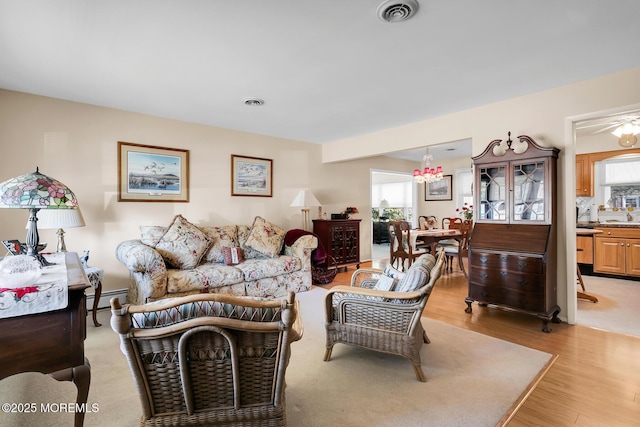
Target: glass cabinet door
x=529 y=191
x=492 y=193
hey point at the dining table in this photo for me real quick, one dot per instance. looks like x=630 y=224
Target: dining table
x=433 y=236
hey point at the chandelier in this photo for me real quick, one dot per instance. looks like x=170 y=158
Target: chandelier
x=428 y=174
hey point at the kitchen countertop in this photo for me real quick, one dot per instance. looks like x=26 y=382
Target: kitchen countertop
x=587 y=231
x=621 y=224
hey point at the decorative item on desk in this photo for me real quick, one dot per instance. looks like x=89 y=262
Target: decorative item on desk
x=85 y=259
x=304 y=200
x=466 y=212
x=19 y=271
x=350 y=210
x=60 y=219
x=35 y=191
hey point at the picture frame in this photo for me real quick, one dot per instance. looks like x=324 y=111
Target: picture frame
x=15 y=247
x=251 y=176
x=148 y=173
x=439 y=190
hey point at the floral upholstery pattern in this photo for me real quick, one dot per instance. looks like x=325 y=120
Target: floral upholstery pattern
x=258 y=276
x=151 y=234
x=243 y=235
x=184 y=244
x=221 y=237
x=265 y=237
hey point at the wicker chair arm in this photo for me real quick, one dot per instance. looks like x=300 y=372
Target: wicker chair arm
x=363 y=274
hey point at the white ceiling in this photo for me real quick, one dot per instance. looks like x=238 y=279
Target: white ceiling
x=327 y=70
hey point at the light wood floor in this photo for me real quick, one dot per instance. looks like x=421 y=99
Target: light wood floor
x=595 y=381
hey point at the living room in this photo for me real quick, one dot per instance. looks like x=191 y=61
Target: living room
x=76 y=142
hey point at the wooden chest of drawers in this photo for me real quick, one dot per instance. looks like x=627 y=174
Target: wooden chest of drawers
x=506 y=273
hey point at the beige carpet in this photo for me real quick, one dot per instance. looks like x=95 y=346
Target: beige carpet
x=473 y=380
x=617 y=306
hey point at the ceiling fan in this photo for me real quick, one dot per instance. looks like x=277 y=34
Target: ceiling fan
x=626 y=127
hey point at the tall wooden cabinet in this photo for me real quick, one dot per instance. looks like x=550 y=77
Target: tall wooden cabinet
x=341 y=239
x=512 y=251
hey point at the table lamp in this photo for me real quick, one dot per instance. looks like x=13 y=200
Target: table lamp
x=35 y=191
x=304 y=200
x=60 y=219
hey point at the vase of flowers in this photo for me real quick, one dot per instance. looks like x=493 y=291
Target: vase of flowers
x=466 y=212
x=350 y=210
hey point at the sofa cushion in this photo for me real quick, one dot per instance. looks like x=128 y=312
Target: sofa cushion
x=203 y=277
x=243 y=235
x=150 y=235
x=256 y=269
x=183 y=244
x=265 y=237
x=221 y=237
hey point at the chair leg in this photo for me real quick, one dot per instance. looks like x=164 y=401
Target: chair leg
x=425 y=338
x=327 y=354
x=419 y=374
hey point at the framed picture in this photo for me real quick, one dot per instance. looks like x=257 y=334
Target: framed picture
x=439 y=190
x=251 y=176
x=147 y=173
x=15 y=247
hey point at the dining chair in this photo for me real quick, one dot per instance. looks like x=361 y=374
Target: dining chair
x=459 y=248
x=401 y=249
x=427 y=221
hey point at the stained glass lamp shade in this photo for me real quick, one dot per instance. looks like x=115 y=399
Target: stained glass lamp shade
x=35 y=191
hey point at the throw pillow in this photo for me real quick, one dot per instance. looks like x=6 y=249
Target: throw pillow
x=385 y=283
x=150 y=235
x=265 y=237
x=183 y=244
x=232 y=256
x=243 y=235
x=221 y=237
x=418 y=274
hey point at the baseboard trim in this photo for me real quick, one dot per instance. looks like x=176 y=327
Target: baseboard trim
x=106 y=297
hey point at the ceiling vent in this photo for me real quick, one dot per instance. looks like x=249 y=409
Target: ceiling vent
x=253 y=102
x=397 y=11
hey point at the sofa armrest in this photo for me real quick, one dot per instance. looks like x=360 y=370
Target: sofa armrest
x=302 y=248
x=147 y=269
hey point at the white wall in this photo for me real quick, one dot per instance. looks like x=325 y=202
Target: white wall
x=77 y=144
x=543 y=116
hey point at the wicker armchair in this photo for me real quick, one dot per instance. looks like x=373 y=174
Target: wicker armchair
x=209 y=359
x=385 y=321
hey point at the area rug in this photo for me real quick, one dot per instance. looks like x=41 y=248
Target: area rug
x=472 y=380
x=617 y=306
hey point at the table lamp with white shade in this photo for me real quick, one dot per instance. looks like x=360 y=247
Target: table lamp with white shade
x=384 y=204
x=60 y=219
x=304 y=200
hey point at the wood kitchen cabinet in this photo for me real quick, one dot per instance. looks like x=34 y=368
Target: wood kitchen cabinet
x=584 y=246
x=341 y=239
x=512 y=250
x=584 y=184
x=617 y=251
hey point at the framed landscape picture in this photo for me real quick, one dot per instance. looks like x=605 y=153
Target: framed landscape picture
x=439 y=190
x=147 y=173
x=251 y=176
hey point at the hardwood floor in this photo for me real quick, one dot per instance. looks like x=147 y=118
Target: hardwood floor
x=595 y=380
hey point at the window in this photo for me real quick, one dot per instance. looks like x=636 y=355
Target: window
x=395 y=188
x=619 y=182
x=464 y=187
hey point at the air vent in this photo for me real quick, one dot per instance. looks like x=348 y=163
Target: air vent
x=254 y=102
x=397 y=11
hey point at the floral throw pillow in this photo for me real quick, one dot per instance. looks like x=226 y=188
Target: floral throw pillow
x=221 y=237
x=265 y=237
x=183 y=244
x=150 y=235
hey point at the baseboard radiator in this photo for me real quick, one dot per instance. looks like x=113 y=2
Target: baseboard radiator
x=105 y=298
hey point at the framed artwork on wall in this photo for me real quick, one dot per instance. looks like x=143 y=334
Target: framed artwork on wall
x=251 y=176
x=147 y=173
x=439 y=190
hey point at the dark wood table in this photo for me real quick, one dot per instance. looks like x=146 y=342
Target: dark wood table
x=52 y=342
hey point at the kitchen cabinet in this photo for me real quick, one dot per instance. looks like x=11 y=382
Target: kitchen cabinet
x=512 y=250
x=617 y=251
x=584 y=168
x=584 y=246
x=341 y=239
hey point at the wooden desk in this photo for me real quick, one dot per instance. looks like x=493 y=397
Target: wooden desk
x=52 y=342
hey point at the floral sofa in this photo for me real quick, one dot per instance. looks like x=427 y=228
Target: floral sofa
x=183 y=259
